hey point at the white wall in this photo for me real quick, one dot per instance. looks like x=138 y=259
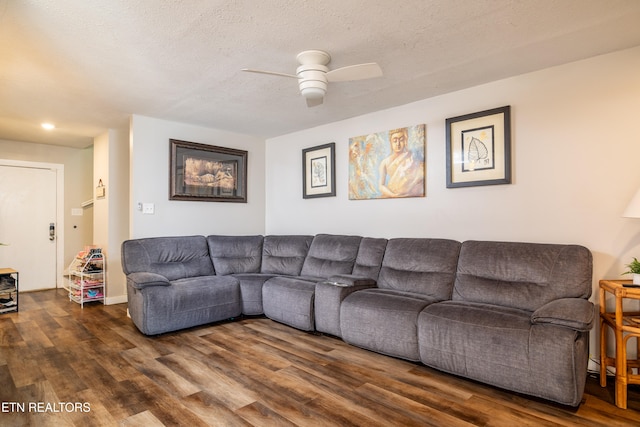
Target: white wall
x=118 y=212
x=111 y=219
x=575 y=147
x=149 y=169
x=101 y=205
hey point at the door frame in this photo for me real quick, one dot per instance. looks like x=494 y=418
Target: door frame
x=58 y=168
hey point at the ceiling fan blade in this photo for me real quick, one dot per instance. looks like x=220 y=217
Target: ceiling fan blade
x=355 y=72
x=273 y=73
x=314 y=102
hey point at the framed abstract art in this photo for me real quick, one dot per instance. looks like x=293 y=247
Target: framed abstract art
x=318 y=171
x=479 y=148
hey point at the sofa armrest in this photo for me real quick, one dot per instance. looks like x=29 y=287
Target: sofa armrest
x=574 y=313
x=347 y=280
x=143 y=280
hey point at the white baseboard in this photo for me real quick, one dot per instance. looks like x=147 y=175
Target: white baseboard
x=120 y=299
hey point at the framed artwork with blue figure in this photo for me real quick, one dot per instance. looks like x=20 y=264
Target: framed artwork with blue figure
x=389 y=164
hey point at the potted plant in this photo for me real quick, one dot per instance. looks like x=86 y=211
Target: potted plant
x=634 y=268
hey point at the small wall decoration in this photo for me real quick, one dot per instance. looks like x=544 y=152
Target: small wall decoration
x=207 y=173
x=479 y=148
x=100 y=190
x=387 y=164
x=318 y=171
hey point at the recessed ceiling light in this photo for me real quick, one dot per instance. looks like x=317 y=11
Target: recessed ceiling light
x=48 y=126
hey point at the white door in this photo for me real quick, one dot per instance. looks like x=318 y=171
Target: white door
x=27 y=212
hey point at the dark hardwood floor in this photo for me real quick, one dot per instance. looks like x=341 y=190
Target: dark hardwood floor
x=61 y=365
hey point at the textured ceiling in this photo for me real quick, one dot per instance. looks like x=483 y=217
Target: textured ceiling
x=87 y=65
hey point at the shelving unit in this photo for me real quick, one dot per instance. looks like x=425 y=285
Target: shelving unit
x=86 y=282
x=8 y=290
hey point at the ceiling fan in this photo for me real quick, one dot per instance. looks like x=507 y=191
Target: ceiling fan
x=313 y=74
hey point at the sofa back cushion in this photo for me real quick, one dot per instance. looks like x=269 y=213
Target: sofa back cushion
x=522 y=275
x=235 y=254
x=423 y=266
x=172 y=257
x=331 y=254
x=284 y=254
x=369 y=259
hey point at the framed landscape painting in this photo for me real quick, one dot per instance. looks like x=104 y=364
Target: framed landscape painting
x=201 y=172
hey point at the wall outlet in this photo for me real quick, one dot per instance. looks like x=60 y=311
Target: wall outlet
x=148 y=208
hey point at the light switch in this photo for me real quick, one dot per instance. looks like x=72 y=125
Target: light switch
x=148 y=208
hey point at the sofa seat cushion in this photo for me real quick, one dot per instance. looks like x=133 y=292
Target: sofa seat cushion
x=185 y=303
x=290 y=300
x=251 y=292
x=466 y=337
x=196 y=293
x=500 y=346
x=383 y=320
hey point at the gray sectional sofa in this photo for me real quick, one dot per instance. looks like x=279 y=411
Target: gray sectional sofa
x=514 y=315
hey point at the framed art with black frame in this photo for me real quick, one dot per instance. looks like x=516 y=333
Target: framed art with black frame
x=318 y=171
x=202 y=172
x=479 y=148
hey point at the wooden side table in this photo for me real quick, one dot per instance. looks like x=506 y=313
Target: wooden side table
x=625 y=325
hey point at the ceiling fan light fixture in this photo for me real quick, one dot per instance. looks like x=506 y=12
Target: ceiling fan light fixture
x=313 y=92
x=313 y=74
x=313 y=89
